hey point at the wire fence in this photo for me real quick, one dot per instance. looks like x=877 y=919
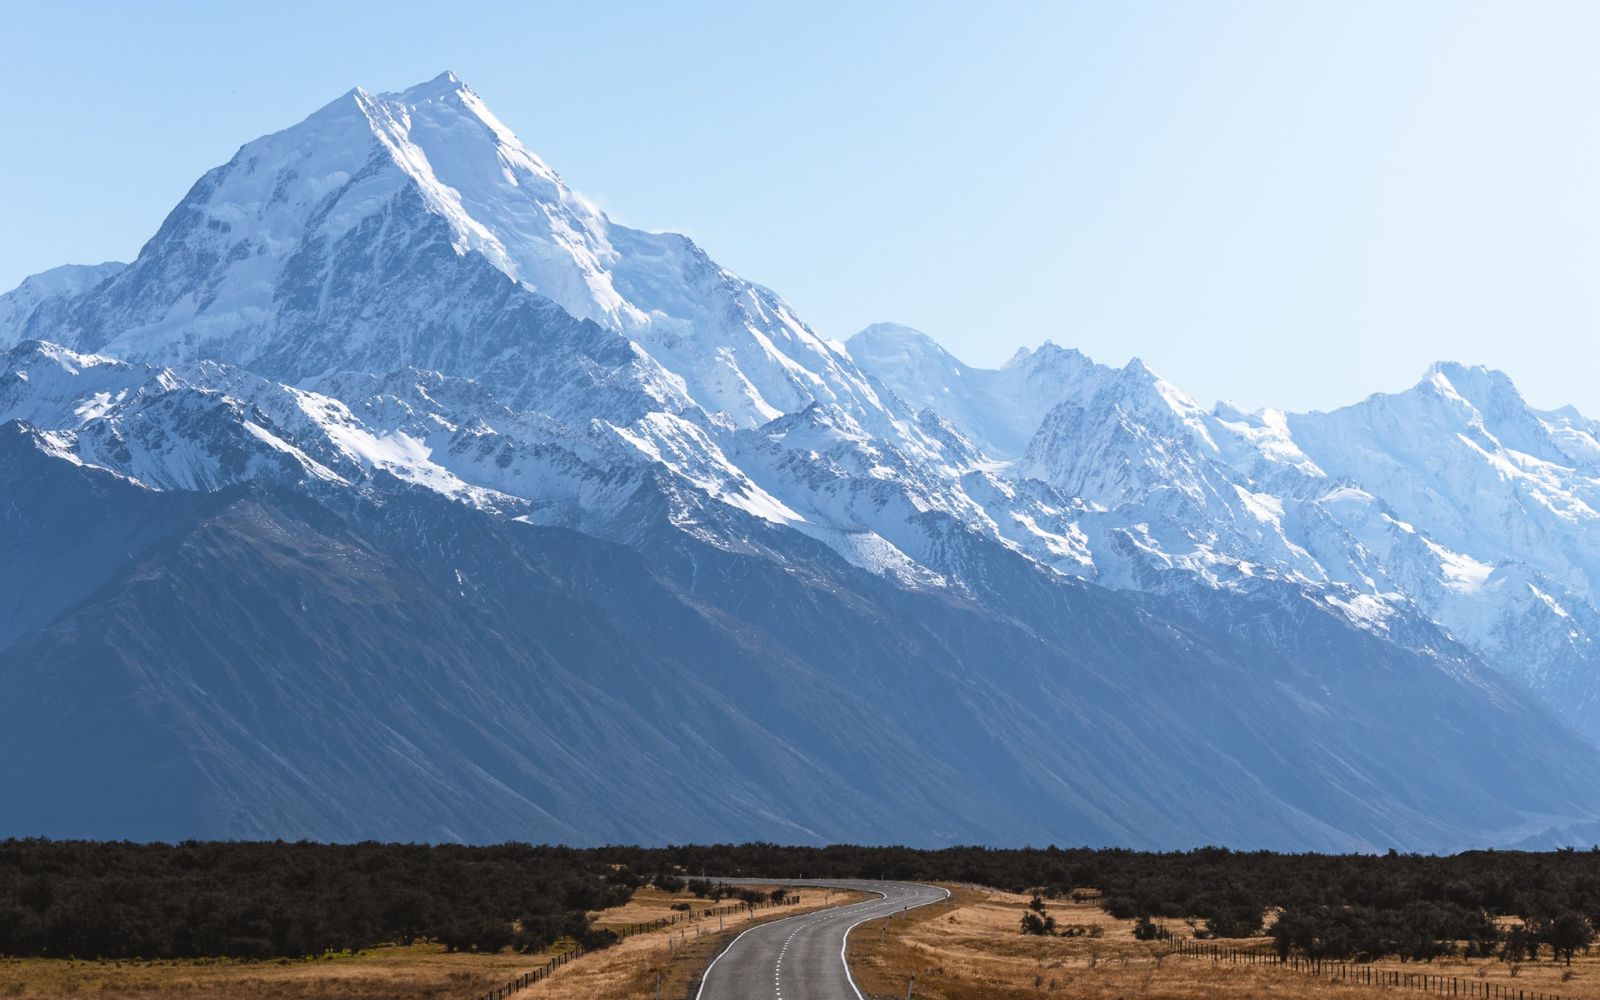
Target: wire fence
x=1358 y=973
x=576 y=951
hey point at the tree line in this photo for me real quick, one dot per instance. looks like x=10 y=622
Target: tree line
x=260 y=899
x=1513 y=904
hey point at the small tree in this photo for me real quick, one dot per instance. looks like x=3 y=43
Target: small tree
x=1566 y=934
x=1519 y=943
x=1036 y=920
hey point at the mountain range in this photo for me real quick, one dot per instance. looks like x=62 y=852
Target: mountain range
x=394 y=491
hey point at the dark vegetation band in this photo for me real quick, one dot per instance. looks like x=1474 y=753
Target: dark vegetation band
x=268 y=899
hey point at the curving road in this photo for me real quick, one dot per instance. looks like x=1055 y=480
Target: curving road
x=803 y=957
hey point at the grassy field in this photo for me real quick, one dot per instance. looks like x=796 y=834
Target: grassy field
x=630 y=969
x=969 y=948
x=417 y=972
x=423 y=972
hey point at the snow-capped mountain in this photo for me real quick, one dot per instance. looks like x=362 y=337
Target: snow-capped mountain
x=275 y=261
x=412 y=230
x=1453 y=499
x=387 y=351
x=42 y=291
x=999 y=409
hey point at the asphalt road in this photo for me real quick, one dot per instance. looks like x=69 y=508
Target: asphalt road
x=802 y=957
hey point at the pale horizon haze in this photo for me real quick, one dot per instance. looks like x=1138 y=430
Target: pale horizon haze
x=1281 y=204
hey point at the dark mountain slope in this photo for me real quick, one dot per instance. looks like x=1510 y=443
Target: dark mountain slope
x=64 y=530
x=274 y=664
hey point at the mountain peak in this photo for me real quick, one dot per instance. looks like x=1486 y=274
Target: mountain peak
x=1018 y=359
x=429 y=180
x=1136 y=368
x=1050 y=353
x=881 y=341
x=43 y=350
x=1487 y=390
x=1138 y=378
x=1459 y=373
x=445 y=82
x=445 y=87
x=892 y=331
x=20 y=306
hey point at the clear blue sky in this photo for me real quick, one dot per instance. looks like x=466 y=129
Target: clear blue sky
x=1280 y=202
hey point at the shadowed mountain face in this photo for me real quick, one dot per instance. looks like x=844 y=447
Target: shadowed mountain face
x=268 y=663
x=394 y=491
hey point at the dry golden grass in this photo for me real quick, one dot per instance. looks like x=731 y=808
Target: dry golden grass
x=1581 y=981
x=416 y=972
x=970 y=948
x=423 y=972
x=630 y=969
x=649 y=903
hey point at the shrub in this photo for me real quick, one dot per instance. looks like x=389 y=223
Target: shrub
x=701 y=887
x=1146 y=929
x=668 y=883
